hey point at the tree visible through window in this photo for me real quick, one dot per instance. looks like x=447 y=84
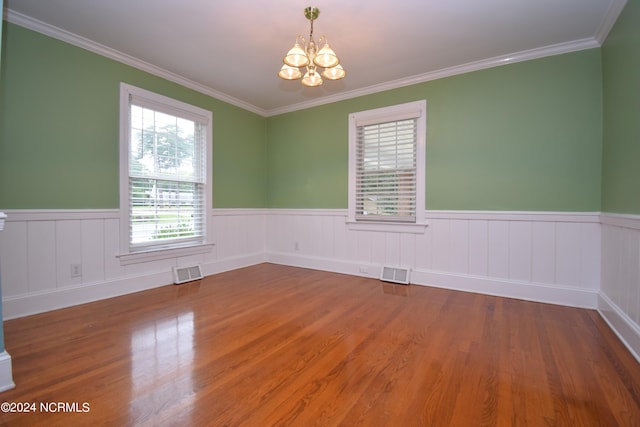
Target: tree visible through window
x=167 y=180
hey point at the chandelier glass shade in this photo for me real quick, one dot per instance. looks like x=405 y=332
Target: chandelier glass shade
x=306 y=57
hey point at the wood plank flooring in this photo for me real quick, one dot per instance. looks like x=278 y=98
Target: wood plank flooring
x=273 y=345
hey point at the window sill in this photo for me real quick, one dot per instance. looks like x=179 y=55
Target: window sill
x=419 y=228
x=159 y=254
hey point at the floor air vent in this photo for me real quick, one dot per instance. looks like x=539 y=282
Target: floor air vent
x=186 y=274
x=395 y=275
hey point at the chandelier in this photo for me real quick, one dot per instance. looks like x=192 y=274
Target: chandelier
x=305 y=55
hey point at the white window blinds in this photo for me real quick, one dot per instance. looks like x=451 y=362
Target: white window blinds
x=386 y=155
x=167 y=176
x=387 y=163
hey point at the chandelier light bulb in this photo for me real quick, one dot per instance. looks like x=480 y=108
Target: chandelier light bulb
x=288 y=72
x=296 y=57
x=312 y=78
x=334 y=73
x=326 y=57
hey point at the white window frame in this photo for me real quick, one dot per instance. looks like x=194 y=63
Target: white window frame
x=416 y=109
x=181 y=109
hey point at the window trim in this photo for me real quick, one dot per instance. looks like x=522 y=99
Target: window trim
x=126 y=256
x=417 y=109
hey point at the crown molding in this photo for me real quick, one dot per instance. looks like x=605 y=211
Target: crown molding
x=609 y=20
x=557 y=49
x=87 y=44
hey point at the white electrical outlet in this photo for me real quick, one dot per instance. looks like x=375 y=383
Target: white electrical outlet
x=76 y=270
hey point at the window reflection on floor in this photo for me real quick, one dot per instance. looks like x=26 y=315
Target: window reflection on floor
x=393 y=289
x=162 y=357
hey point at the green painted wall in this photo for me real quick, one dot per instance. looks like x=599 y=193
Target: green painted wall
x=59 y=129
x=621 y=85
x=525 y=136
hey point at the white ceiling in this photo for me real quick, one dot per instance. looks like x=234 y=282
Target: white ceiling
x=233 y=49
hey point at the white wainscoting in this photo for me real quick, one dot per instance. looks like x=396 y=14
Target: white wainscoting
x=540 y=256
x=575 y=259
x=38 y=247
x=619 y=301
x=549 y=257
x=555 y=257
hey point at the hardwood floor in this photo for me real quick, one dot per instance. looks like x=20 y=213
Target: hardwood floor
x=274 y=345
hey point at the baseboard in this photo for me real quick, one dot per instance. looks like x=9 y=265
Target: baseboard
x=6 y=374
x=538 y=292
x=233 y=263
x=621 y=324
x=325 y=264
x=25 y=305
x=551 y=294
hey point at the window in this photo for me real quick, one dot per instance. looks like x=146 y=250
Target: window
x=387 y=165
x=165 y=173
